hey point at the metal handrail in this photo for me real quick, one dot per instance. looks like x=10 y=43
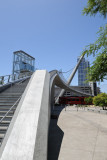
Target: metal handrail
x=10 y=109
x=13 y=77
x=15 y=74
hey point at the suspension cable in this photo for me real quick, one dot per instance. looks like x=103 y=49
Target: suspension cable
x=67 y=71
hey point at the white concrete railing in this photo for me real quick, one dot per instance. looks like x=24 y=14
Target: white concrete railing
x=27 y=136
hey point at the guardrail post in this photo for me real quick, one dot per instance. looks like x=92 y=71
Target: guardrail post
x=2 y=80
x=13 y=77
x=18 y=77
x=9 y=78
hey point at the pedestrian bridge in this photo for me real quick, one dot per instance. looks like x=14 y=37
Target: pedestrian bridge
x=27 y=134
x=25 y=108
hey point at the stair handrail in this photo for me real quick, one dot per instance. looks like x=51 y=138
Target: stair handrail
x=10 y=109
x=13 y=77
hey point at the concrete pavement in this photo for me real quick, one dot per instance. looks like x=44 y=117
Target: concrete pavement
x=84 y=136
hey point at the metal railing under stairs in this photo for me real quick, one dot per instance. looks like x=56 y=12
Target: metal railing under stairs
x=10 y=110
x=6 y=115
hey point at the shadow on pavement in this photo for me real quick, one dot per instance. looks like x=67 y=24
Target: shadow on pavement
x=55 y=135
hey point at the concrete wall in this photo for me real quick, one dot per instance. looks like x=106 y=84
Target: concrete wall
x=27 y=135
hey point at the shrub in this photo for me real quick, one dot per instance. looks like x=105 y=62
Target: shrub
x=100 y=100
x=88 y=100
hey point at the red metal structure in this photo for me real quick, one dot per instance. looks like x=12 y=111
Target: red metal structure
x=71 y=100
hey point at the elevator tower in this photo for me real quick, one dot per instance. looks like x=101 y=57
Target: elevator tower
x=23 y=62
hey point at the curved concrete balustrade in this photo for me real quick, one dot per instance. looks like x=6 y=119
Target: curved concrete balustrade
x=69 y=81
x=56 y=79
x=27 y=136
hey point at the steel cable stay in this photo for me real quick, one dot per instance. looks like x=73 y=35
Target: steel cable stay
x=66 y=71
x=62 y=74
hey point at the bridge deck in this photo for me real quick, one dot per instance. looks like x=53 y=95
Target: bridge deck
x=78 y=135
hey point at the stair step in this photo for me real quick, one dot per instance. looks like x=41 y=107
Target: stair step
x=6 y=93
x=5 y=123
x=3 y=128
x=7 y=118
x=6 y=108
x=3 y=131
x=8 y=100
x=11 y=115
x=2 y=135
x=7 y=104
x=2 y=105
x=9 y=95
x=1 y=139
x=4 y=112
x=14 y=92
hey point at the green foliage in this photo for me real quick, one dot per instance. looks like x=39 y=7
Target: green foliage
x=95 y=6
x=98 y=70
x=100 y=100
x=100 y=44
x=88 y=100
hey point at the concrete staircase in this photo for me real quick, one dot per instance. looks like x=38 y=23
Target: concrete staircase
x=7 y=100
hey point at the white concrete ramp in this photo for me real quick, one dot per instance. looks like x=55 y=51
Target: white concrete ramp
x=29 y=126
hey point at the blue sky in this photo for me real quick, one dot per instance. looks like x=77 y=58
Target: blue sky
x=53 y=31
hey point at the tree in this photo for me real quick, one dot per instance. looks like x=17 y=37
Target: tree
x=98 y=71
x=100 y=100
x=88 y=100
x=95 y=6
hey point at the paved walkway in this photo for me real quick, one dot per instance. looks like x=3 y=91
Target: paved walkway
x=84 y=135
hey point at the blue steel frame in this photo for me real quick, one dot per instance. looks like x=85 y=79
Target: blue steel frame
x=23 y=62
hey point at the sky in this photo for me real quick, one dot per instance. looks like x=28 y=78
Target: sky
x=53 y=31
